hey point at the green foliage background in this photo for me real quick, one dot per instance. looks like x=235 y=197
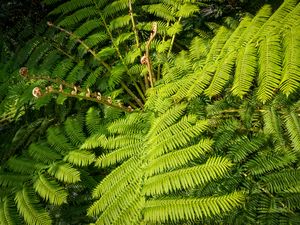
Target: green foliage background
x=205 y=131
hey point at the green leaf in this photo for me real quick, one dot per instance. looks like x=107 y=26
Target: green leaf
x=64 y=172
x=80 y=157
x=50 y=190
x=29 y=208
x=160 y=211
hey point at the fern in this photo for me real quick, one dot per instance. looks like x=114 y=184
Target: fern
x=292 y=125
x=64 y=172
x=269 y=67
x=27 y=205
x=282 y=180
x=213 y=137
x=50 y=190
x=174 y=210
x=186 y=178
x=80 y=158
x=170 y=132
x=7 y=214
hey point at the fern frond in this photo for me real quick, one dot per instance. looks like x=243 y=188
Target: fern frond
x=119 y=155
x=73 y=128
x=77 y=73
x=94 y=141
x=265 y=163
x=177 y=209
x=187 y=178
x=269 y=66
x=119 y=22
x=93 y=120
x=106 y=53
x=184 y=123
x=255 y=26
x=282 y=180
x=291 y=69
x=179 y=139
x=29 y=208
x=12 y=179
x=123 y=141
x=92 y=78
x=201 y=78
x=124 y=37
x=49 y=62
x=194 y=85
x=198 y=48
x=116 y=74
x=118 y=192
x=64 y=172
x=276 y=20
x=26 y=51
x=115 y=204
x=58 y=141
x=92 y=41
x=61 y=70
x=8 y=216
x=167 y=119
x=86 y=28
x=23 y=165
x=244 y=146
x=68 y=7
x=272 y=125
x=78 y=16
x=41 y=152
x=50 y=190
x=124 y=172
x=132 y=124
x=217 y=44
x=132 y=213
x=222 y=75
x=186 y=10
x=293 y=127
x=178 y=158
x=80 y=158
x=114 y=8
x=38 y=54
x=246 y=67
x=161 y=10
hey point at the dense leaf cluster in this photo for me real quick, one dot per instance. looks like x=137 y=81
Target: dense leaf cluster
x=147 y=112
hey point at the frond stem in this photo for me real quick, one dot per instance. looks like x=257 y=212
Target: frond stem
x=121 y=57
x=133 y=24
x=147 y=54
x=92 y=97
x=173 y=39
x=101 y=61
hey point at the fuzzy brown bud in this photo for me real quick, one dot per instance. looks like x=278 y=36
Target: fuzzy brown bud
x=98 y=96
x=109 y=100
x=74 y=92
x=154 y=27
x=23 y=71
x=130 y=109
x=88 y=93
x=36 y=92
x=144 y=60
x=61 y=88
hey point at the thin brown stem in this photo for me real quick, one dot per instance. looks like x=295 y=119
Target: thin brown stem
x=88 y=49
x=133 y=24
x=120 y=55
x=92 y=96
x=173 y=39
x=147 y=54
x=99 y=60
